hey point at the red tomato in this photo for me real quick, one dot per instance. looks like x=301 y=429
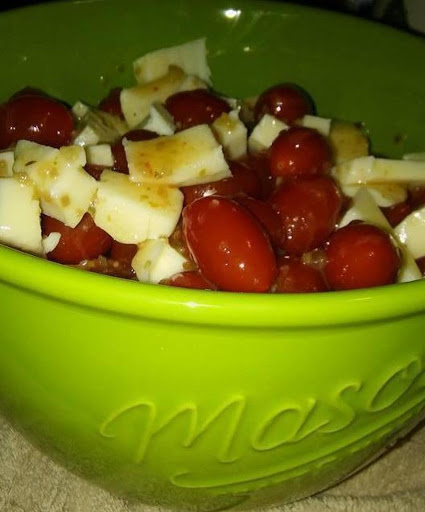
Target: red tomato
x=288 y=102
x=396 y=213
x=229 y=245
x=308 y=208
x=190 y=108
x=118 y=151
x=95 y=170
x=244 y=181
x=260 y=165
x=189 y=279
x=36 y=118
x=267 y=217
x=84 y=242
x=112 y=103
x=417 y=197
x=360 y=256
x=123 y=252
x=296 y=277
x=300 y=151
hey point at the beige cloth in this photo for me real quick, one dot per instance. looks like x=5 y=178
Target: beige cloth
x=30 y=482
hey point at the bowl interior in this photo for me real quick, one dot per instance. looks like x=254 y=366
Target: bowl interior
x=355 y=70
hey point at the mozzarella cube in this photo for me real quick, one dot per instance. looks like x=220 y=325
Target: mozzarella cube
x=156 y=260
x=51 y=241
x=190 y=157
x=411 y=232
x=320 y=124
x=63 y=186
x=191 y=57
x=133 y=212
x=80 y=109
x=232 y=134
x=136 y=101
x=264 y=133
x=380 y=170
x=97 y=126
x=364 y=208
x=192 y=82
x=100 y=154
x=159 y=121
x=384 y=194
x=20 y=216
x=7 y=159
x=348 y=141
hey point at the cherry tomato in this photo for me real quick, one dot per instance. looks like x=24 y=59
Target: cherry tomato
x=123 y=252
x=296 y=277
x=260 y=165
x=266 y=216
x=421 y=264
x=118 y=152
x=84 y=242
x=244 y=181
x=95 y=170
x=189 y=279
x=229 y=245
x=300 y=151
x=36 y=118
x=396 y=213
x=360 y=256
x=288 y=102
x=416 y=197
x=112 y=103
x=308 y=209
x=190 y=108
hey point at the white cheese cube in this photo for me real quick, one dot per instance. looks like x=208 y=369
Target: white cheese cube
x=379 y=170
x=98 y=127
x=364 y=208
x=191 y=83
x=159 y=121
x=189 y=157
x=7 y=159
x=100 y=154
x=80 y=109
x=63 y=186
x=418 y=157
x=264 y=133
x=232 y=134
x=384 y=194
x=321 y=124
x=191 y=57
x=133 y=212
x=156 y=260
x=136 y=101
x=20 y=216
x=411 y=232
x=51 y=241
x=348 y=141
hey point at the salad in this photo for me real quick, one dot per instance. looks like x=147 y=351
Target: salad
x=169 y=182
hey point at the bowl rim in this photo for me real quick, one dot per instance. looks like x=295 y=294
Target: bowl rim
x=80 y=288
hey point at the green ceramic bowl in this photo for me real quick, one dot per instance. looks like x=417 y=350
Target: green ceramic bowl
x=204 y=399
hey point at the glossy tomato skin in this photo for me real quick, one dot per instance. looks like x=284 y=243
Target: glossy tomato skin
x=191 y=108
x=36 y=118
x=288 y=102
x=266 y=216
x=244 y=181
x=229 y=246
x=396 y=213
x=308 y=208
x=300 y=151
x=84 y=242
x=122 y=252
x=294 y=276
x=112 y=103
x=189 y=279
x=118 y=152
x=360 y=256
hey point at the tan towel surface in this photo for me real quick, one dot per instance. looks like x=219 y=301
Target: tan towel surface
x=30 y=482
